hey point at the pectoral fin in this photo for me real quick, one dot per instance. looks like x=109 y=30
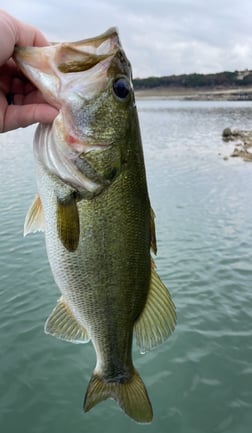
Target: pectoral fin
x=34 y=220
x=158 y=318
x=68 y=224
x=62 y=324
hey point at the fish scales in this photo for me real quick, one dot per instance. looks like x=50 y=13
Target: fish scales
x=94 y=208
x=112 y=252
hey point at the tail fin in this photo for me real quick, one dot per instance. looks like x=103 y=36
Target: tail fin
x=131 y=396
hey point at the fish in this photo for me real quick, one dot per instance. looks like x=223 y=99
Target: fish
x=94 y=208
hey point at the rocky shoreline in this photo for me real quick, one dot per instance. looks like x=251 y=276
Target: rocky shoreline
x=243 y=142
x=241 y=138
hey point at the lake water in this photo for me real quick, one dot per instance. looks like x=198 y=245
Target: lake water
x=200 y=380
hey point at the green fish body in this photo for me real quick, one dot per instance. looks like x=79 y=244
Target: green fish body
x=94 y=207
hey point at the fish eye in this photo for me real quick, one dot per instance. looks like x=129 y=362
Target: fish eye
x=121 y=88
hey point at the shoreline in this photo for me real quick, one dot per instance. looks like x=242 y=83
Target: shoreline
x=196 y=94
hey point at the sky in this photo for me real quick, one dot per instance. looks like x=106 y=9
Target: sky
x=160 y=37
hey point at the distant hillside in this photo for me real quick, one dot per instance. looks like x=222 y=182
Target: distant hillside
x=210 y=81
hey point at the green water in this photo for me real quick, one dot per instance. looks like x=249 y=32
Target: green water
x=200 y=381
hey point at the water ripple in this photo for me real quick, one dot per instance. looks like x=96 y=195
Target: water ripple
x=200 y=380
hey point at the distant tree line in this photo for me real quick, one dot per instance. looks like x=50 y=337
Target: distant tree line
x=221 y=79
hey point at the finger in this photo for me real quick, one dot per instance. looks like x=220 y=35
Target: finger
x=27 y=35
x=32 y=97
x=14 y=32
x=22 y=116
x=24 y=92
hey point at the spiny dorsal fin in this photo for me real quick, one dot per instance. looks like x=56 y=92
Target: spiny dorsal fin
x=131 y=395
x=34 y=221
x=153 y=232
x=158 y=318
x=68 y=224
x=62 y=324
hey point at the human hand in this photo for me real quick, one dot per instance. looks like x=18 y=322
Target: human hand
x=21 y=103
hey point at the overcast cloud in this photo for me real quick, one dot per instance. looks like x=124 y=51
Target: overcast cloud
x=160 y=37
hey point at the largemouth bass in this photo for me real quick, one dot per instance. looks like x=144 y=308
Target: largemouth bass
x=94 y=208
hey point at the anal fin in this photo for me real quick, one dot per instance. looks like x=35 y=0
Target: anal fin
x=158 y=318
x=62 y=324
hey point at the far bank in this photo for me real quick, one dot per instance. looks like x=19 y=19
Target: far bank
x=196 y=94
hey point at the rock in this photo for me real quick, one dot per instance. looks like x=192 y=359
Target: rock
x=244 y=154
x=243 y=139
x=226 y=133
x=236 y=153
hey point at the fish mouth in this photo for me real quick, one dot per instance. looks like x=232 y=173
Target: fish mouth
x=62 y=66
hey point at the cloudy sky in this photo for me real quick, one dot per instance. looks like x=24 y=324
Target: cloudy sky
x=160 y=37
